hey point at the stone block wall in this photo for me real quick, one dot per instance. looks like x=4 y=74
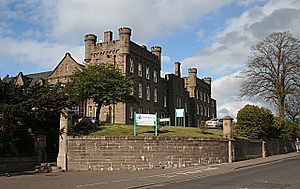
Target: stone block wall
x=129 y=153
x=16 y=164
x=245 y=149
x=275 y=147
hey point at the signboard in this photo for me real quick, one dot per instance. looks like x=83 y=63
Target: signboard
x=179 y=112
x=145 y=119
x=165 y=120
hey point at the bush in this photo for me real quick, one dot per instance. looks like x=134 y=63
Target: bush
x=254 y=122
x=83 y=127
x=286 y=129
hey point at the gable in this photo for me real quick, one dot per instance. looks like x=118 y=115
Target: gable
x=64 y=70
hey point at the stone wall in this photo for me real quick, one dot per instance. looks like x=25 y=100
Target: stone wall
x=274 y=147
x=245 y=149
x=129 y=153
x=16 y=164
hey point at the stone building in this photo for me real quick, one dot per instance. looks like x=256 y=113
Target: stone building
x=155 y=94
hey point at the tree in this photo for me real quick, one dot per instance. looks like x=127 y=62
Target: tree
x=102 y=83
x=292 y=107
x=254 y=122
x=273 y=71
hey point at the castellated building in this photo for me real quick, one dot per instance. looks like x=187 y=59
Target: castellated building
x=154 y=94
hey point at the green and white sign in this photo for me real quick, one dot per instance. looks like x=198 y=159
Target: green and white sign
x=145 y=120
x=179 y=113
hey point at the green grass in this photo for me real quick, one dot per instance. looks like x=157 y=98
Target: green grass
x=127 y=130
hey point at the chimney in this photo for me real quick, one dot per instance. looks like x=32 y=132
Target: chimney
x=108 y=36
x=177 y=69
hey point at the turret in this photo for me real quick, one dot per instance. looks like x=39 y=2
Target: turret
x=89 y=42
x=207 y=80
x=156 y=50
x=177 y=69
x=192 y=81
x=124 y=35
x=108 y=36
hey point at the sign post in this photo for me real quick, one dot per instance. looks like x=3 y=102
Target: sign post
x=180 y=113
x=146 y=120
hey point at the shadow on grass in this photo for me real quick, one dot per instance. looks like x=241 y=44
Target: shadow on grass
x=159 y=131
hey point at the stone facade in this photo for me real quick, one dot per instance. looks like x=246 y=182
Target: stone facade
x=155 y=94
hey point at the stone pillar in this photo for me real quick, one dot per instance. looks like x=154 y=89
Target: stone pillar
x=227 y=128
x=65 y=122
x=40 y=147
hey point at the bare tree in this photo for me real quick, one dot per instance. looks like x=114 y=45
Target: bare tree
x=273 y=71
x=292 y=107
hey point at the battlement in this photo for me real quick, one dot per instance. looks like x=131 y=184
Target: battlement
x=90 y=37
x=192 y=70
x=124 y=30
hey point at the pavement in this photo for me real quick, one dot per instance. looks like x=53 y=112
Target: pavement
x=130 y=179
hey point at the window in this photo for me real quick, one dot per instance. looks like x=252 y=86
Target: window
x=197 y=108
x=147 y=72
x=196 y=94
x=131 y=112
x=131 y=65
x=208 y=99
x=148 y=92
x=131 y=91
x=95 y=110
x=140 y=70
x=140 y=90
x=75 y=109
x=186 y=107
x=148 y=111
x=202 y=111
x=67 y=66
x=140 y=110
x=97 y=61
x=208 y=112
x=205 y=111
x=179 y=102
x=155 y=95
x=201 y=95
x=155 y=76
x=165 y=101
x=90 y=111
x=204 y=95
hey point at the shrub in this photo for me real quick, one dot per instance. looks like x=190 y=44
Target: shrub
x=253 y=122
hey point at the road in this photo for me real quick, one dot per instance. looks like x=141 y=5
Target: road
x=269 y=174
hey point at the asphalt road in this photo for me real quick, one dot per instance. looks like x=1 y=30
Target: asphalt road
x=278 y=174
x=282 y=175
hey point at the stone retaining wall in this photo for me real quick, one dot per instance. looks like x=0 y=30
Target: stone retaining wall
x=16 y=164
x=129 y=153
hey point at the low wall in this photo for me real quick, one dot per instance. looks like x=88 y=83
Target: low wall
x=129 y=153
x=16 y=164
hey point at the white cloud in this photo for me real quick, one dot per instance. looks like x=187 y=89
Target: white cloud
x=231 y=48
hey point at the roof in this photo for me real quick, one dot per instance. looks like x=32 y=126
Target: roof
x=37 y=76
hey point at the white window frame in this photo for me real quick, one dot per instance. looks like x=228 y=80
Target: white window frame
x=140 y=70
x=165 y=101
x=148 y=92
x=131 y=66
x=147 y=72
x=197 y=108
x=140 y=90
x=132 y=91
x=155 y=76
x=155 y=95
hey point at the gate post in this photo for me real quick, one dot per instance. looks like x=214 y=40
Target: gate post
x=65 y=121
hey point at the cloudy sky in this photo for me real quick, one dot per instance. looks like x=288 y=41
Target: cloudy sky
x=213 y=35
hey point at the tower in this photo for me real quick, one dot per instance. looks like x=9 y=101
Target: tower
x=156 y=50
x=192 y=81
x=124 y=35
x=89 y=43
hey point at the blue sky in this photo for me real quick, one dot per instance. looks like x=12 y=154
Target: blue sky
x=213 y=35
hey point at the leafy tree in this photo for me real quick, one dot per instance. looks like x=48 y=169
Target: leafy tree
x=273 y=71
x=102 y=83
x=286 y=129
x=253 y=122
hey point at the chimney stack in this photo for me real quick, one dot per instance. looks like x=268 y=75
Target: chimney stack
x=108 y=36
x=177 y=69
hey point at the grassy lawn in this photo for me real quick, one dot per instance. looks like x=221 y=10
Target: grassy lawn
x=127 y=130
